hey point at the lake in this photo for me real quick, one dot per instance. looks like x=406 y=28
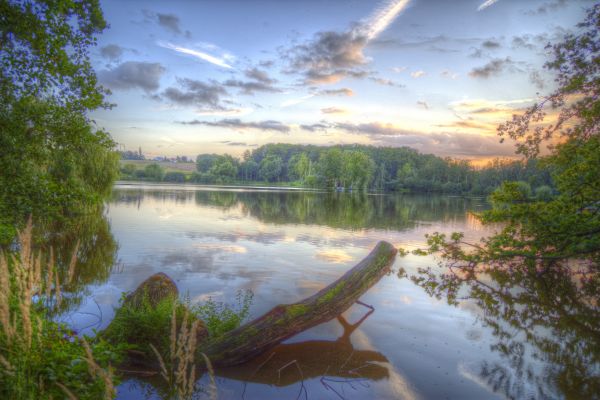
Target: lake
x=286 y=245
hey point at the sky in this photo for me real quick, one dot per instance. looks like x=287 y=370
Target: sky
x=191 y=77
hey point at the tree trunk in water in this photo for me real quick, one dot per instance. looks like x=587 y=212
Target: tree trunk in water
x=284 y=321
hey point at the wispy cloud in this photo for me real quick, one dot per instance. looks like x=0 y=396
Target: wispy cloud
x=486 y=4
x=235 y=123
x=382 y=17
x=219 y=61
x=293 y=102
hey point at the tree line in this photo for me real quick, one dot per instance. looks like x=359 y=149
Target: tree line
x=354 y=167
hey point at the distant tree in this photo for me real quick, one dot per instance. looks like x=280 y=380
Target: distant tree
x=128 y=169
x=357 y=170
x=224 y=169
x=330 y=167
x=154 y=172
x=271 y=168
x=174 y=176
x=204 y=162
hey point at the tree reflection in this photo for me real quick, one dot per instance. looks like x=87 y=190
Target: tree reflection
x=337 y=210
x=546 y=323
x=90 y=238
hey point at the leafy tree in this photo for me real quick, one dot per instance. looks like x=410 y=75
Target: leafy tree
x=154 y=172
x=224 y=168
x=541 y=271
x=331 y=164
x=270 y=168
x=357 y=169
x=204 y=162
x=53 y=162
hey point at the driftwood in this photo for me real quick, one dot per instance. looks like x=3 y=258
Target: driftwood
x=284 y=321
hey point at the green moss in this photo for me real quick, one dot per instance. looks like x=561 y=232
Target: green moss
x=296 y=310
x=332 y=293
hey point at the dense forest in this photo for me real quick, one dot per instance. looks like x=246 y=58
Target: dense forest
x=354 y=167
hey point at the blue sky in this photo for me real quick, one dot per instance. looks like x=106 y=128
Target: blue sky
x=194 y=77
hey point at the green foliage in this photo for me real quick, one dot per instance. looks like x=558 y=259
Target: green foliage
x=54 y=163
x=538 y=278
x=204 y=162
x=41 y=358
x=174 y=176
x=154 y=172
x=224 y=169
x=270 y=168
x=220 y=318
x=145 y=323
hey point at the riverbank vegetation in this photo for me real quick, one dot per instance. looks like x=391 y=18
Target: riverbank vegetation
x=354 y=167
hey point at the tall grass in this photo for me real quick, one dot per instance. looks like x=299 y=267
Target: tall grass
x=43 y=359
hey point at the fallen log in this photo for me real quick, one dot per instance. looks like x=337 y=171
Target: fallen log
x=285 y=321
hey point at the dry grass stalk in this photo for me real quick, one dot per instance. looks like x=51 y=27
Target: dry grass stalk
x=99 y=372
x=182 y=349
x=66 y=391
x=212 y=389
x=72 y=263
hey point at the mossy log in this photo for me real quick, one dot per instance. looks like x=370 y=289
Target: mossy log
x=283 y=321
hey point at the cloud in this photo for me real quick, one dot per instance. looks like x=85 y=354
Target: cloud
x=331 y=56
x=336 y=92
x=443 y=144
x=333 y=110
x=371 y=128
x=437 y=44
x=111 y=52
x=222 y=61
x=399 y=69
x=249 y=87
x=169 y=21
x=260 y=82
x=382 y=17
x=423 y=104
x=315 y=127
x=196 y=93
x=133 y=74
x=547 y=7
x=469 y=125
x=486 y=4
x=492 y=68
x=293 y=102
x=236 y=123
x=386 y=82
x=258 y=75
x=449 y=74
x=417 y=74
x=491 y=44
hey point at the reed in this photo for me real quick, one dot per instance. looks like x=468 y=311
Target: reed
x=38 y=356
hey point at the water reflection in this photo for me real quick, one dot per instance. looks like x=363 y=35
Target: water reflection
x=337 y=210
x=287 y=364
x=285 y=246
x=545 y=323
x=89 y=237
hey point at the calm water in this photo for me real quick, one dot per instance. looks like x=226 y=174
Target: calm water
x=285 y=246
